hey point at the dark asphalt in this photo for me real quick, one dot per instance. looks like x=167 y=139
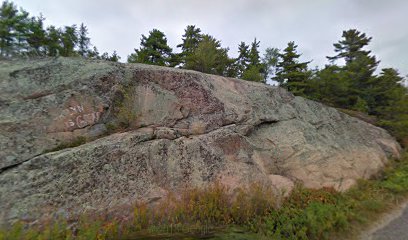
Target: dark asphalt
x=397 y=229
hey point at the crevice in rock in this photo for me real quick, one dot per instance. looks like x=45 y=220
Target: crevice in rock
x=15 y=165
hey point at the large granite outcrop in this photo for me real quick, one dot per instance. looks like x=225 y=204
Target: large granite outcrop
x=184 y=128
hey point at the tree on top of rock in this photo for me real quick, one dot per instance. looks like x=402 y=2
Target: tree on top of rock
x=209 y=57
x=13 y=29
x=153 y=50
x=359 y=68
x=84 y=41
x=291 y=73
x=69 y=40
x=351 y=46
x=243 y=60
x=191 y=38
x=37 y=36
x=249 y=62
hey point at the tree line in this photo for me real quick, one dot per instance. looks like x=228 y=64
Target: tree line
x=22 y=34
x=352 y=85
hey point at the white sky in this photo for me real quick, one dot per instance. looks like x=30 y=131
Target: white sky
x=313 y=24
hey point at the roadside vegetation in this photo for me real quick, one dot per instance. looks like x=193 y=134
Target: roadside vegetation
x=252 y=213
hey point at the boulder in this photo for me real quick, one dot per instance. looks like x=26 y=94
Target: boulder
x=79 y=135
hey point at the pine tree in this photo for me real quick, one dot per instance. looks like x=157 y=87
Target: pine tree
x=351 y=46
x=191 y=38
x=254 y=58
x=69 y=40
x=360 y=66
x=13 y=29
x=21 y=31
x=83 y=41
x=249 y=62
x=37 y=38
x=386 y=90
x=243 y=60
x=153 y=50
x=332 y=86
x=54 y=45
x=209 y=57
x=291 y=73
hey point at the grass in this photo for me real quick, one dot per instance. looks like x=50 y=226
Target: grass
x=215 y=212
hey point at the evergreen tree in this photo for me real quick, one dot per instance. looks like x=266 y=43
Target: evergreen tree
x=249 y=64
x=191 y=38
x=209 y=57
x=13 y=29
x=386 y=90
x=153 y=50
x=254 y=58
x=253 y=73
x=83 y=41
x=37 y=37
x=291 y=73
x=359 y=68
x=351 y=46
x=331 y=86
x=21 y=31
x=54 y=45
x=69 y=40
x=243 y=60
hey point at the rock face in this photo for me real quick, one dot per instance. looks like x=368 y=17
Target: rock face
x=184 y=128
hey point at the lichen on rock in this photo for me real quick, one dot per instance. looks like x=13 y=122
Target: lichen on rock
x=190 y=129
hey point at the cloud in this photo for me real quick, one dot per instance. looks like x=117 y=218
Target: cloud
x=313 y=25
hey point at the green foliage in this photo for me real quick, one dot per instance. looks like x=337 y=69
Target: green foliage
x=21 y=34
x=360 y=105
x=253 y=74
x=37 y=36
x=13 y=29
x=354 y=80
x=69 y=39
x=398 y=181
x=243 y=60
x=249 y=66
x=354 y=85
x=209 y=57
x=84 y=41
x=153 y=50
x=191 y=38
x=351 y=47
x=331 y=86
x=290 y=73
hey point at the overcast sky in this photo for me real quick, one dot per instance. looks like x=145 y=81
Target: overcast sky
x=313 y=24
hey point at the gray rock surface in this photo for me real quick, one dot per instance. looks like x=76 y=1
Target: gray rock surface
x=185 y=129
